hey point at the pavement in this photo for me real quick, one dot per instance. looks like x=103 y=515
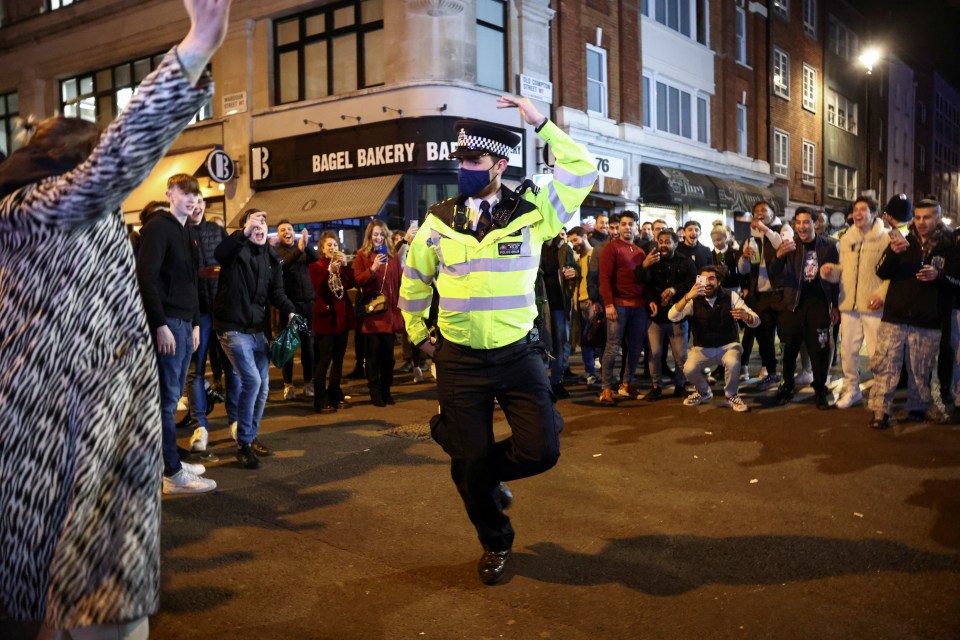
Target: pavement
x=660 y=521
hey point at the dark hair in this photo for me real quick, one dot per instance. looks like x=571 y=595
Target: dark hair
x=328 y=234
x=284 y=221
x=710 y=268
x=872 y=204
x=807 y=211
x=928 y=202
x=648 y=222
x=151 y=208
x=760 y=202
x=67 y=139
x=690 y=223
x=669 y=232
x=577 y=231
x=628 y=214
x=613 y=217
x=246 y=215
x=185 y=182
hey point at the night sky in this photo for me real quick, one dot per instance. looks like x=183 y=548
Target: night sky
x=925 y=31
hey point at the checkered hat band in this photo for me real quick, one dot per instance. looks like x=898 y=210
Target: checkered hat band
x=477 y=143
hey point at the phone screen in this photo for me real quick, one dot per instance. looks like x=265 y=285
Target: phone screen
x=382 y=249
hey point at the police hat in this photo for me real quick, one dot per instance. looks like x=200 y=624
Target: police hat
x=899 y=208
x=476 y=138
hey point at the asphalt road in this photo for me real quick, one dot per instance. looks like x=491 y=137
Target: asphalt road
x=660 y=521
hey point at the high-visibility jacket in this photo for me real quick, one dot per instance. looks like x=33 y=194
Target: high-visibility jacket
x=486 y=287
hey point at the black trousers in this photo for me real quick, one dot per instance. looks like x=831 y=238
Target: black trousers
x=809 y=325
x=468 y=381
x=768 y=307
x=305 y=310
x=329 y=350
x=379 y=351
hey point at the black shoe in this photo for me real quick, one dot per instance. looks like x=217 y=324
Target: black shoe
x=248 y=459
x=955 y=416
x=559 y=391
x=376 y=399
x=915 y=416
x=506 y=496
x=406 y=368
x=188 y=423
x=570 y=375
x=654 y=394
x=357 y=374
x=325 y=407
x=823 y=403
x=492 y=565
x=260 y=449
x=389 y=399
x=784 y=394
x=880 y=422
x=679 y=391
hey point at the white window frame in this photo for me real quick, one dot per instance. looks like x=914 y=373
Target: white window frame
x=842 y=112
x=681 y=93
x=809 y=88
x=647 y=87
x=781 y=64
x=843 y=41
x=695 y=117
x=809 y=162
x=841 y=181
x=742 y=137
x=741 y=36
x=602 y=82
x=782 y=7
x=810 y=18
x=781 y=153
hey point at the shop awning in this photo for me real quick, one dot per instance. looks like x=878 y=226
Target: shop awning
x=740 y=196
x=359 y=198
x=155 y=186
x=666 y=185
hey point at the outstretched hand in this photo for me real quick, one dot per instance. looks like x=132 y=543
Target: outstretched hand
x=208 y=28
x=529 y=112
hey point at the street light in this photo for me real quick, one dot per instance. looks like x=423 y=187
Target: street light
x=869 y=58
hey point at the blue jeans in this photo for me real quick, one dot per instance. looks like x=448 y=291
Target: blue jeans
x=249 y=353
x=558 y=338
x=173 y=375
x=632 y=322
x=196 y=378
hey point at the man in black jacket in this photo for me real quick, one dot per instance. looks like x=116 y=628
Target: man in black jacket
x=167 y=274
x=669 y=276
x=297 y=256
x=690 y=247
x=809 y=304
x=912 y=312
x=250 y=276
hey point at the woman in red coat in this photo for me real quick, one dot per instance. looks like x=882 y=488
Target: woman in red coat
x=332 y=319
x=377 y=270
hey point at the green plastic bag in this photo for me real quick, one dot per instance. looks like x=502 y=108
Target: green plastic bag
x=288 y=341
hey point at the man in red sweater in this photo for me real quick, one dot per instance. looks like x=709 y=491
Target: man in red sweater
x=624 y=304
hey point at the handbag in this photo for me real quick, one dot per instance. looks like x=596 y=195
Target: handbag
x=377 y=303
x=288 y=341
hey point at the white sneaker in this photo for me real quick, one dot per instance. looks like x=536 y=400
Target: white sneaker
x=745 y=374
x=195 y=469
x=736 y=403
x=199 y=439
x=695 y=398
x=289 y=392
x=417 y=375
x=182 y=404
x=308 y=389
x=849 y=397
x=763 y=373
x=185 y=481
x=233 y=431
x=805 y=378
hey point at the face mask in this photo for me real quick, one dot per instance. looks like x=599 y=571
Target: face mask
x=473 y=181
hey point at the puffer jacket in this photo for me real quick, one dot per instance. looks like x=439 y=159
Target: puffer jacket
x=857 y=271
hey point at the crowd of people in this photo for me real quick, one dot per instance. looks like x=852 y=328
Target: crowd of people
x=887 y=283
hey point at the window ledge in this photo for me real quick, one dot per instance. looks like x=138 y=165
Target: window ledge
x=780 y=95
x=744 y=65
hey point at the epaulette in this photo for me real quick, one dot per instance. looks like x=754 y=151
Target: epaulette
x=450 y=213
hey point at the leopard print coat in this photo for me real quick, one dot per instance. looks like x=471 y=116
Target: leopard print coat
x=80 y=465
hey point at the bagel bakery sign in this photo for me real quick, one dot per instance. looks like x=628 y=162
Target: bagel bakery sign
x=397 y=146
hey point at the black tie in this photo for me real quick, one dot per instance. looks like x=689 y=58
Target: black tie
x=483 y=221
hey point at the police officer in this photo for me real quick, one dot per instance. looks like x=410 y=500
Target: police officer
x=482 y=251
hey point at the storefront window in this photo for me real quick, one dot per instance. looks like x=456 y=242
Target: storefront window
x=331 y=50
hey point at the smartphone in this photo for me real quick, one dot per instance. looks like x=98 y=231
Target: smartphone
x=937 y=262
x=701 y=281
x=414 y=225
x=895 y=233
x=382 y=249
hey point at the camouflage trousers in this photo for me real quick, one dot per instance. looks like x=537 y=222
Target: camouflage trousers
x=896 y=343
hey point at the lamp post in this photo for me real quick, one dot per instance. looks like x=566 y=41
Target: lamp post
x=869 y=58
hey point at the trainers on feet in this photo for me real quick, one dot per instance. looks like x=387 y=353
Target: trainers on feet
x=308 y=389
x=417 y=375
x=784 y=394
x=696 y=398
x=184 y=481
x=590 y=380
x=196 y=469
x=199 y=439
x=654 y=394
x=849 y=397
x=233 y=431
x=289 y=392
x=606 y=398
x=768 y=382
x=736 y=403
x=182 y=404
x=805 y=378
x=248 y=459
x=260 y=449
x=624 y=390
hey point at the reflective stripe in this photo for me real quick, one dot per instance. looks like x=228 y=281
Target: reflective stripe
x=495 y=265
x=564 y=177
x=415 y=274
x=555 y=202
x=494 y=303
x=414 y=306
